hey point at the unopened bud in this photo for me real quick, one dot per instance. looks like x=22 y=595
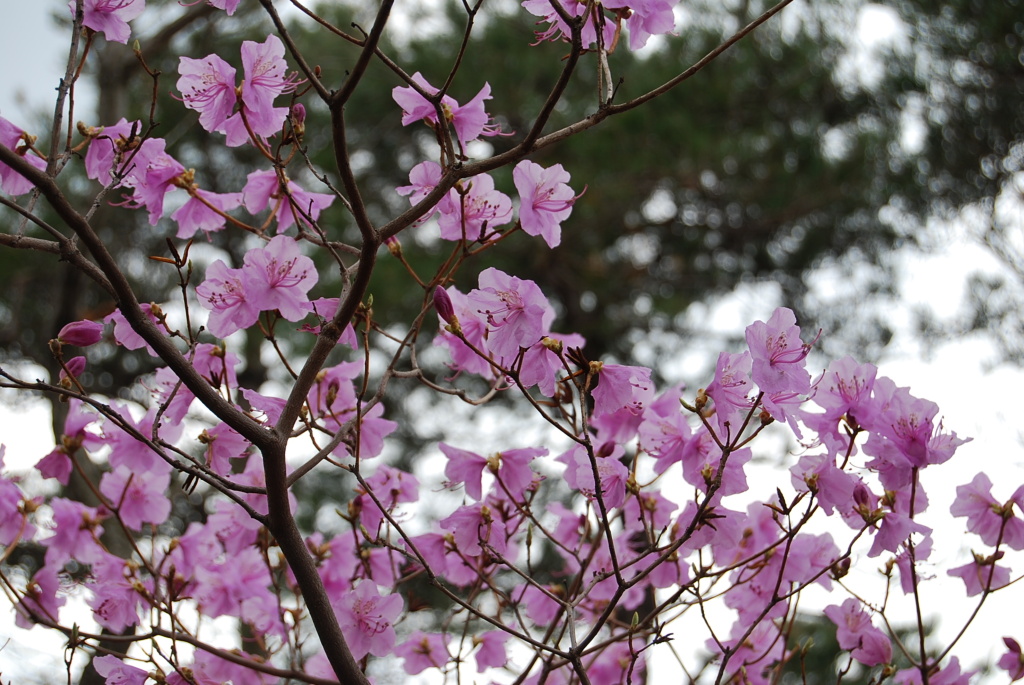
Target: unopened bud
x=445 y=309
x=81 y=333
x=394 y=247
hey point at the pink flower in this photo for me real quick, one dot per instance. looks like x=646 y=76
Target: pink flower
x=391 y=487
x=422 y=651
x=423 y=178
x=11 y=181
x=224 y=294
x=492 y=650
x=153 y=173
x=110 y=17
x=41 y=598
x=197 y=215
x=109 y=146
x=559 y=29
x=545 y=199
x=125 y=335
x=278 y=276
x=370 y=619
x=516 y=311
x=982 y=575
x=207 y=86
x=474 y=213
x=115 y=600
x=274 y=277
x=474 y=329
x=646 y=18
x=778 y=354
x=470 y=121
x=76 y=532
x=986 y=517
x=265 y=78
x=228 y=6
x=950 y=675
x=511 y=467
x=116 y=672
x=474 y=524
x=291 y=207
x=541 y=365
x=579 y=475
x=869 y=645
x=222 y=445
x=1013 y=661
x=137 y=497
x=622 y=387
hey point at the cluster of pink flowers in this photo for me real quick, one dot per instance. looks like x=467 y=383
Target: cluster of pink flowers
x=644 y=18
x=474 y=209
x=612 y=538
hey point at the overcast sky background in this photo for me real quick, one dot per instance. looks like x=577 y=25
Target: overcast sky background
x=976 y=398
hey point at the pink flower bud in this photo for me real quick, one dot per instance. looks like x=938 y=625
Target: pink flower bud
x=75 y=366
x=443 y=305
x=81 y=333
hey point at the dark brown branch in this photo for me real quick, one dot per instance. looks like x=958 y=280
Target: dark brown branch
x=339 y=98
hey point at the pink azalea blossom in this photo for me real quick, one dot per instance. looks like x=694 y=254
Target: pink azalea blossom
x=982 y=575
x=492 y=649
x=854 y=631
x=137 y=498
x=115 y=600
x=545 y=199
x=474 y=329
x=207 y=86
x=986 y=517
x=778 y=355
x=391 y=487
x=474 y=524
x=274 y=277
x=560 y=30
x=228 y=6
x=613 y=475
x=370 y=619
x=11 y=181
x=263 y=189
x=1012 y=661
x=474 y=213
x=470 y=121
x=224 y=294
x=541 y=366
x=423 y=178
x=516 y=311
x=109 y=148
x=278 y=276
x=198 y=213
x=152 y=174
x=223 y=444
x=76 y=533
x=422 y=651
x=622 y=387
x=125 y=335
x=110 y=17
x=41 y=598
x=948 y=675
x=116 y=672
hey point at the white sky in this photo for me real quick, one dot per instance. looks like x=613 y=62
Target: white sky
x=976 y=402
